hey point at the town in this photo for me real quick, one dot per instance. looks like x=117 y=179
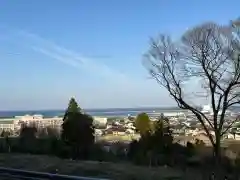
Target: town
x=184 y=125
x=120 y=90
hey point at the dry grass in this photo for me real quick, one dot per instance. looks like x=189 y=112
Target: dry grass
x=115 y=171
x=121 y=138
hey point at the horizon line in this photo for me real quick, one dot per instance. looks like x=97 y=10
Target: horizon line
x=139 y=107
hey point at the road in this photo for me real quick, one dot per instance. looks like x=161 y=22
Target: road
x=16 y=174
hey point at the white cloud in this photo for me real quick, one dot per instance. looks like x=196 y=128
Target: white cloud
x=120 y=90
x=71 y=58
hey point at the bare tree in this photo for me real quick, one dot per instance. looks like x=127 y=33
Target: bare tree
x=208 y=53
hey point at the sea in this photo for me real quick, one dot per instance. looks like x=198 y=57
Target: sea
x=108 y=112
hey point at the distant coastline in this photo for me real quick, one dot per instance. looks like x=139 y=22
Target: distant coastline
x=96 y=109
x=106 y=112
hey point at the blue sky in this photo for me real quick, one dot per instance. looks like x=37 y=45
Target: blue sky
x=90 y=49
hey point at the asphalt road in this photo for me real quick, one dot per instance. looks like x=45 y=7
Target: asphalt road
x=17 y=174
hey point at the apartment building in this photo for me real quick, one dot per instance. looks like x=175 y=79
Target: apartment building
x=39 y=121
x=7 y=125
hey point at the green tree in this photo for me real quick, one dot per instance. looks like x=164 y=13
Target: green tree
x=162 y=136
x=53 y=132
x=42 y=133
x=28 y=131
x=72 y=107
x=142 y=123
x=199 y=143
x=28 y=135
x=153 y=144
x=161 y=124
x=77 y=130
x=5 y=133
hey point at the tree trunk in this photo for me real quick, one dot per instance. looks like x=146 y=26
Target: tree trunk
x=218 y=173
x=217 y=149
x=75 y=152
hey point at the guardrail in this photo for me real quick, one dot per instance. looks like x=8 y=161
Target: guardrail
x=10 y=173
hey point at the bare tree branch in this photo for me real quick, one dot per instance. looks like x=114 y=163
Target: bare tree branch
x=208 y=52
x=229 y=126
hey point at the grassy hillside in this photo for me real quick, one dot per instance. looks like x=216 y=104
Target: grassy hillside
x=119 y=171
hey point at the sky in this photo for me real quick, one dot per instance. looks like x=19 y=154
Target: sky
x=92 y=50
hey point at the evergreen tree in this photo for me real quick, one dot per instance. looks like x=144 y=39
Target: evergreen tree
x=3 y=133
x=162 y=136
x=73 y=107
x=28 y=135
x=28 y=131
x=77 y=130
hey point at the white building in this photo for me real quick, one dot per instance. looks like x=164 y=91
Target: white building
x=100 y=120
x=207 y=109
x=174 y=114
x=39 y=121
x=7 y=125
